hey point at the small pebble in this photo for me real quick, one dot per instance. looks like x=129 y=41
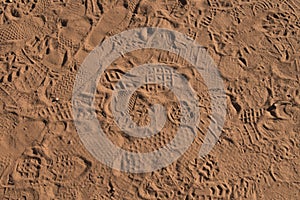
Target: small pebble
x=56 y=99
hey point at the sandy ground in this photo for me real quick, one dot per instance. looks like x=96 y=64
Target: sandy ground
x=255 y=45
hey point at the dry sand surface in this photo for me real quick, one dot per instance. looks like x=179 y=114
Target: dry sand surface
x=255 y=46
